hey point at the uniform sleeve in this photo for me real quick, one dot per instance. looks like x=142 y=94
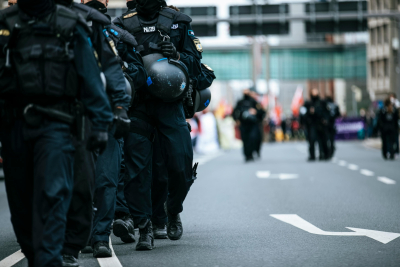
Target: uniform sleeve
x=205 y=79
x=116 y=87
x=93 y=95
x=190 y=50
x=135 y=69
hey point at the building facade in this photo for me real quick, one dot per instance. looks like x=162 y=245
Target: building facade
x=383 y=66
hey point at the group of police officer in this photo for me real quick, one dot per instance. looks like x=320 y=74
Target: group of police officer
x=318 y=118
x=93 y=124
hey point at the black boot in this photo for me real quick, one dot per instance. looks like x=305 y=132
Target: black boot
x=146 y=239
x=69 y=261
x=174 y=225
x=160 y=231
x=88 y=249
x=102 y=249
x=124 y=229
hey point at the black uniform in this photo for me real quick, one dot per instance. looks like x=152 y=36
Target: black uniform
x=159 y=189
x=38 y=149
x=249 y=125
x=315 y=117
x=388 y=126
x=80 y=214
x=149 y=115
x=334 y=113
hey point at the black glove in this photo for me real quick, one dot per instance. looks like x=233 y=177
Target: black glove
x=122 y=123
x=168 y=50
x=97 y=140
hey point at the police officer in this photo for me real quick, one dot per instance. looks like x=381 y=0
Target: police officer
x=40 y=114
x=334 y=113
x=80 y=215
x=159 y=29
x=314 y=116
x=248 y=115
x=159 y=189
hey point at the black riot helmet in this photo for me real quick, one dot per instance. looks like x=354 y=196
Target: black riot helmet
x=168 y=79
x=202 y=99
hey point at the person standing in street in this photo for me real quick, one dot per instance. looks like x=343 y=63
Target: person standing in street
x=388 y=125
x=248 y=114
x=396 y=105
x=160 y=31
x=40 y=116
x=314 y=116
x=334 y=113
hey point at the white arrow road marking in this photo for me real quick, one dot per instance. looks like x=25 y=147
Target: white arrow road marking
x=353 y=167
x=297 y=221
x=280 y=176
x=110 y=262
x=342 y=163
x=367 y=172
x=12 y=259
x=386 y=180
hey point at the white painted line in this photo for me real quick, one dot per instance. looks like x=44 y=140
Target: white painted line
x=12 y=259
x=263 y=174
x=110 y=262
x=342 y=163
x=204 y=159
x=386 y=180
x=353 y=167
x=280 y=176
x=297 y=221
x=367 y=172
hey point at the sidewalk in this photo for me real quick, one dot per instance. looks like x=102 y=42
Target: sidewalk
x=373 y=143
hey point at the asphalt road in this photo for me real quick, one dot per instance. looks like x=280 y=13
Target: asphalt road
x=227 y=215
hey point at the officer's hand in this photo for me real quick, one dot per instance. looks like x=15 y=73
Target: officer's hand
x=252 y=111
x=97 y=140
x=168 y=50
x=122 y=122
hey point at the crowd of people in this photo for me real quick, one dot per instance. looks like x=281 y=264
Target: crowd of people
x=94 y=124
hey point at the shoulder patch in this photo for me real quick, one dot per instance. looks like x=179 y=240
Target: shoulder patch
x=4 y=32
x=207 y=67
x=198 y=45
x=130 y=15
x=191 y=33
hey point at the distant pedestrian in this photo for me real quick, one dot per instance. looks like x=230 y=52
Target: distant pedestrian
x=388 y=126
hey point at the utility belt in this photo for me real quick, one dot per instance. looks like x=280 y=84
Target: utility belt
x=34 y=114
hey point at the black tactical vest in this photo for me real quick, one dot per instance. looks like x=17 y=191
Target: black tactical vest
x=40 y=55
x=149 y=33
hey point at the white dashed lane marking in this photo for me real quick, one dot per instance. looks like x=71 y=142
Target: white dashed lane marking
x=367 y=172
x=386 y=180
x=353 y=167
x=342 y=163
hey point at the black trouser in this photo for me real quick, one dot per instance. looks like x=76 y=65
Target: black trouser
x=38 y=168
x=80 y=214
x=251 y=135
x=331 y=141
x=121 y=208
x=389 y=142
x=159 y=188
x=316 y=134
x=176 y=150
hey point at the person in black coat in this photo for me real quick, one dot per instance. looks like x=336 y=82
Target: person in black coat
x=248 y=114
x=388 y=124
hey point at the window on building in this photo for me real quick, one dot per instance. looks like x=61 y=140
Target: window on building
x=386 y=34
x=372 y=36
x=373 y=70
x=386 y=67
x=379 y=35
